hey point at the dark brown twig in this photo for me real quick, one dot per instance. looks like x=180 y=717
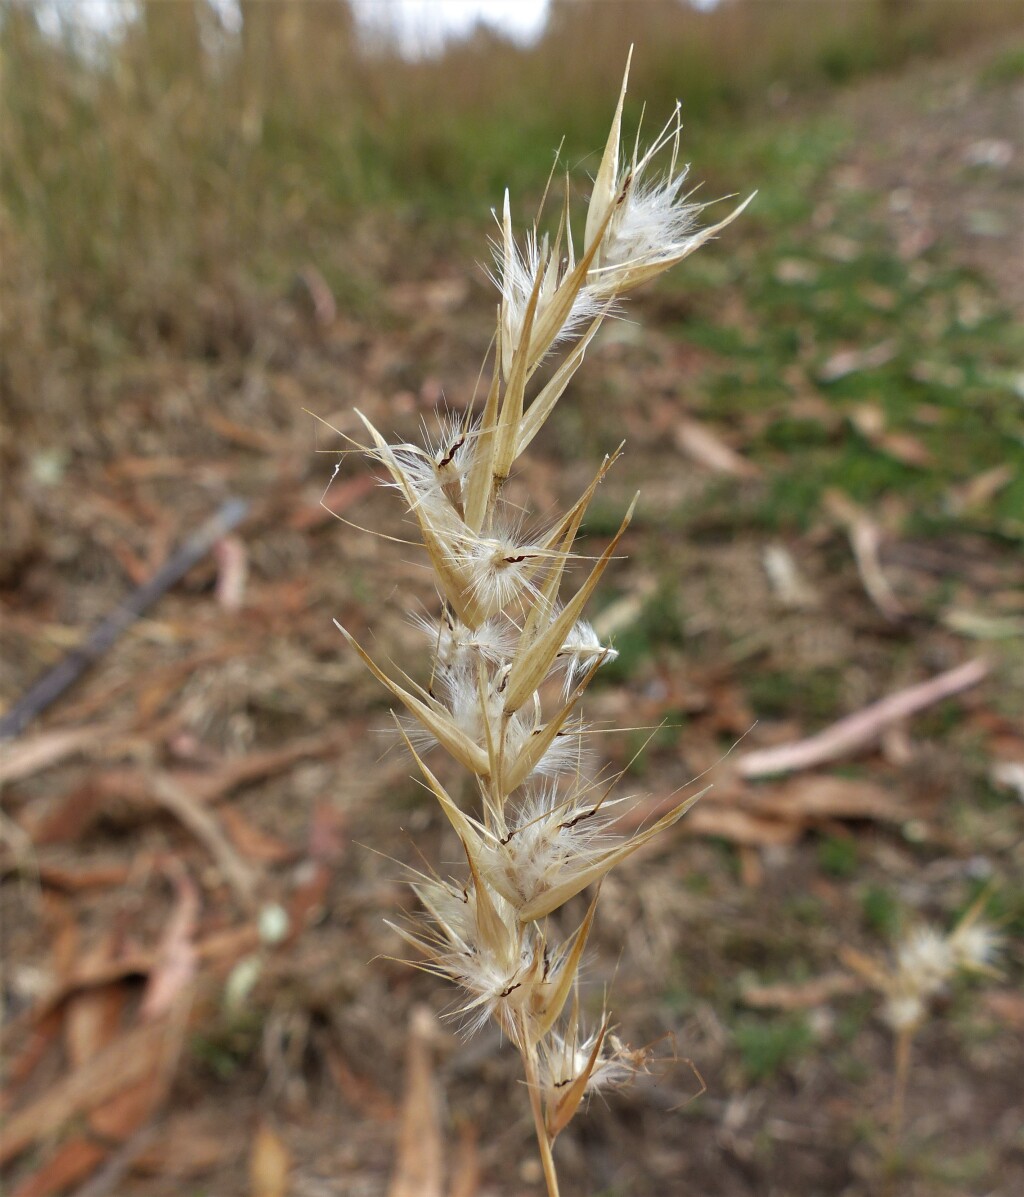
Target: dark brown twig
x=63 y=675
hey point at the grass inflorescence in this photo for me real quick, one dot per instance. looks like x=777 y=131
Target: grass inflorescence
x=513 y=654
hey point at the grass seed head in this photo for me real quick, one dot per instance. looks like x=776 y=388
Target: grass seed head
x=924 y=963
x=543 y=832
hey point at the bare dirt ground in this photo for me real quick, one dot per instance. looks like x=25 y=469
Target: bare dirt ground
x=204 y=837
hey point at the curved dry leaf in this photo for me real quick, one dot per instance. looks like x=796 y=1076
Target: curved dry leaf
x=419 y=1168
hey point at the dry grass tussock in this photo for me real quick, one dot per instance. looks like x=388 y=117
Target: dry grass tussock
x=151 y=182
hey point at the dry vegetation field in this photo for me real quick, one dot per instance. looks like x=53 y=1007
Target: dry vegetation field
x=208 y=235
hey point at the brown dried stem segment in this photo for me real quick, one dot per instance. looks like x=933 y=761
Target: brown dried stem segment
x=545 y=1140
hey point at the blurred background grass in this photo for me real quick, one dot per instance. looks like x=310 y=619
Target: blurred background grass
x=182 y=159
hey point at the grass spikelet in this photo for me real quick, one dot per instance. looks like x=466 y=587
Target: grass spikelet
x=923 y=964
x=512 y=655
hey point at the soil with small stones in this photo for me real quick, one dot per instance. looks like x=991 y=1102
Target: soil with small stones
x=298 y=1025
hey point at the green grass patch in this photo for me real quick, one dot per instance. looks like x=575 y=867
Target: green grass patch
x=943 y=388
x=851 y=1018
x=769 y=1045
x=881 y=912
x=175 y=160
x=659 y=626
x=813 y=695
x=228 y=1044
x=838 y=856
x=1007 y=67
x=805 y=910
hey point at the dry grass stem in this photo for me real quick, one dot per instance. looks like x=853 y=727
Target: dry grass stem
x=544 y=828
x=924 y=963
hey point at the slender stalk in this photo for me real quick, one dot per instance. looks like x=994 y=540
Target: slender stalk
x=904 y=1039
x=543 y=1142
x=901 y=1075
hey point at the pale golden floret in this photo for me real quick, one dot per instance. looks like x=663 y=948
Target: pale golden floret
x=924 y=963
x=537 y=866
x=593 y=859
x=903 y=1011
x=451 y=452
x=580 y=650
x=475 y=701
x=431 y=715
x=418 y=478
x=925 y=960
x=473 y=938
x=651 y=219
x=574 y=1063
x=549 y=840
x=519 y=272
x=975 y=946
x=459 y=647
x=568 y=1059
x=636 y=227
x=501 y=569
x=505 y=968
